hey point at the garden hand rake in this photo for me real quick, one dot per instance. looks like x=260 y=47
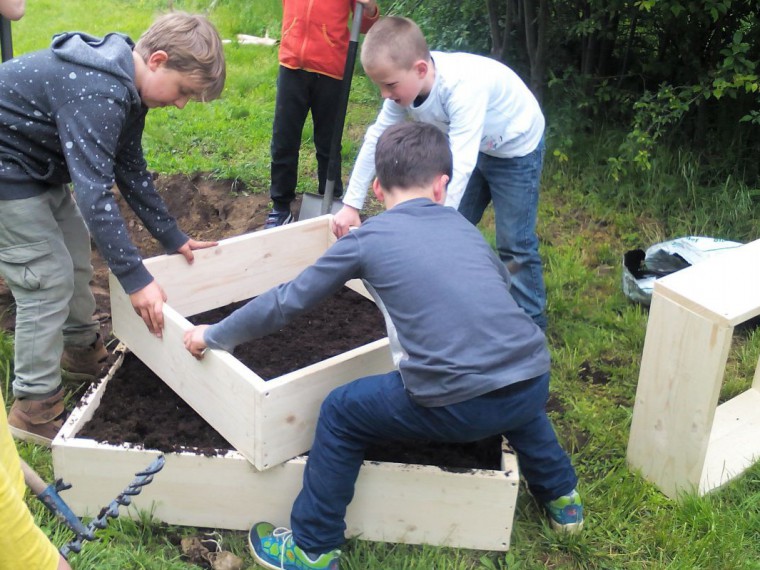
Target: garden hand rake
x=48 y=495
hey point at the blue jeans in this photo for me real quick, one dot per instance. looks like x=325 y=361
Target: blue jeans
x=512 y=185
x=378 y=408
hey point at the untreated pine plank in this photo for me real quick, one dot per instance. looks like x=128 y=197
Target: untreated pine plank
x=287 y=419
x=724 y=288
x=240 y=267
x=682 y=367
x=734 y=441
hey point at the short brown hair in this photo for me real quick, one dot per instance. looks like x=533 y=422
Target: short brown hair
x=411 y=155
x=193 y=46
x=394 y=41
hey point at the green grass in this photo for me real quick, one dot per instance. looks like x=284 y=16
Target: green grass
x=586 y=222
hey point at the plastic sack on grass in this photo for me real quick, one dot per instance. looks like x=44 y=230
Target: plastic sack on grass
x=642 y=268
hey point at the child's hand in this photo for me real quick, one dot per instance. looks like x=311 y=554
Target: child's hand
x=194 y=342
x=148 y=302
x=344 y=220
x=370 y=6
x=187 y=249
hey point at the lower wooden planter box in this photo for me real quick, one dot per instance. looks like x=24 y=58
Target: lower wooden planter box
x=267 y=422
x=394 y=502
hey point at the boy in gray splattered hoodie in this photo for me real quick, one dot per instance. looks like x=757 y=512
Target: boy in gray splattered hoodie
x=75 y=114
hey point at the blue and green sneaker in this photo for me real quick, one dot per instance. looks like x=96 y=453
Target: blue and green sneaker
x=566 y=513
x=274 y=548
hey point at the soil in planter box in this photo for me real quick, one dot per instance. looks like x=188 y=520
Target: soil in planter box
x=139 y=408
x=341 y=323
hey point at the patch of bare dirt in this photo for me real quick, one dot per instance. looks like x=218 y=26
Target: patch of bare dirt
x=206 y=209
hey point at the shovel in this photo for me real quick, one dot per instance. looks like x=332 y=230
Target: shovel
x=313 y=205
x=6 y=41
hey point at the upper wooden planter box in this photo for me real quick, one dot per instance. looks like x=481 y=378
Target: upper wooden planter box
x=267 y=422
x=394 y=502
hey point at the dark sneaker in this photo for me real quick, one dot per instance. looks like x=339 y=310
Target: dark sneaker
x=84 y=363
x=277 y=218
x=37 y=421
x=274 y=548
x=566 y=513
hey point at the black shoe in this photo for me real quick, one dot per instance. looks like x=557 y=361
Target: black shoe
x=277 y=218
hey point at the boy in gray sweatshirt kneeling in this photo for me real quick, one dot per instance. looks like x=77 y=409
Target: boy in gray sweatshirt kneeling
x=470 y=362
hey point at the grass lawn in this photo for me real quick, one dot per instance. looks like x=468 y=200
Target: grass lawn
x=586 y=222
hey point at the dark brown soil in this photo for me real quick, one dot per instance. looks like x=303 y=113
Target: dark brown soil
x=345 y=321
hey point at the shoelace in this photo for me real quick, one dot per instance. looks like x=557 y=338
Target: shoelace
x=287 y=536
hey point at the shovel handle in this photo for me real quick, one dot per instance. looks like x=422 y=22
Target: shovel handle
x=340 y=117
x=6 y=41
x=32 y=480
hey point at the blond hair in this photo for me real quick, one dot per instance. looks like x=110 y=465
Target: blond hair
x=394 y=41
x=193 y=47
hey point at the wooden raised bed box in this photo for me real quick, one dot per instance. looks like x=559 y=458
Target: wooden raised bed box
x=394 y=502
x=681 y=439
x=267 y=422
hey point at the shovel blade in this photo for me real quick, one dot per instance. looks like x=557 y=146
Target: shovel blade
x=311 y=206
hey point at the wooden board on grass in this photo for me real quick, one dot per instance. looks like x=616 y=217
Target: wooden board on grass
x=681 y=439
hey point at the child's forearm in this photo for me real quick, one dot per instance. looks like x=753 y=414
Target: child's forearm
x=364 y=168
x=271 y=311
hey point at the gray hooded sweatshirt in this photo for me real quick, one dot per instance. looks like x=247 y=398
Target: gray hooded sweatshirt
x=72 y=113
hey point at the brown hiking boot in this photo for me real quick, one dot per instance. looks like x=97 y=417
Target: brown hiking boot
x=37 y=421
x=84 y=363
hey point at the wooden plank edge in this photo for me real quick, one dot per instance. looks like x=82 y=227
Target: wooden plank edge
x=734 y=444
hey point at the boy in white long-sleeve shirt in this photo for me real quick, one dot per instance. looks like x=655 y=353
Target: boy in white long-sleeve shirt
x=495 y=129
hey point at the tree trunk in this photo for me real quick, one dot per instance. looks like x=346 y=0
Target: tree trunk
x=628 y=47
x=509 y=22
x=497 y=47
x=609 y=35
x=535 y=18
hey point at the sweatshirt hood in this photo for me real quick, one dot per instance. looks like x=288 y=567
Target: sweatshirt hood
x=111 y=54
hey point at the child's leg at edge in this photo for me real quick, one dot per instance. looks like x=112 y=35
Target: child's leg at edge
x=37 y=268
x=514 y=186
x=79 y=329
x=544 y=464
x=291 y=109
x=324 y=113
